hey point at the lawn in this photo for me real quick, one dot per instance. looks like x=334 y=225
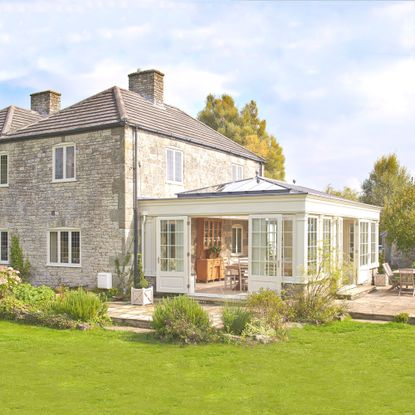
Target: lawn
x=344 y=368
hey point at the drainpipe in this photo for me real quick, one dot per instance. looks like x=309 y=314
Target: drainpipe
x=135 y=213
x=143 y=224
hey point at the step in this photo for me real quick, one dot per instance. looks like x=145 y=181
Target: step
x=132 y=322
x=355 y=292
x=218 y=299
x=376 y=317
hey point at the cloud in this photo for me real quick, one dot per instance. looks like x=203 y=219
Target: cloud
x=334 y=81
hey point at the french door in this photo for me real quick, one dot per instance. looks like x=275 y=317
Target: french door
x=172 y=258
x=265 y=253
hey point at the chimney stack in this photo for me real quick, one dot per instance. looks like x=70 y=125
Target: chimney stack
x=149 y=84
x=45 y=102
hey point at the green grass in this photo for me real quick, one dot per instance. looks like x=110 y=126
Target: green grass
x=344 y=368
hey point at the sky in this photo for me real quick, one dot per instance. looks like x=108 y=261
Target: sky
x=334 y=80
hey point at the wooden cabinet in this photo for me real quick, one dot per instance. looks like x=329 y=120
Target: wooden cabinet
x=211 y=269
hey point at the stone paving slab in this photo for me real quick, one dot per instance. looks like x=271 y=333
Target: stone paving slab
x=141 y=316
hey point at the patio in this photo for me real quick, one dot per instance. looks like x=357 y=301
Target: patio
x=382 y=304
x=379 y=305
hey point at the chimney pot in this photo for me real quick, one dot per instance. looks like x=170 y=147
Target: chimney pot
x=149 y=84
x=45 y=102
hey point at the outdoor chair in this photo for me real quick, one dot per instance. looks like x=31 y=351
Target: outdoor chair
x=231 y=274
x=243 y=272
x=393 y=276
x=406 y=279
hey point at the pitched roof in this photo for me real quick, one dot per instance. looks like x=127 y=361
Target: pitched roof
x=258 y=186
x=13 y=118
x=117 y=106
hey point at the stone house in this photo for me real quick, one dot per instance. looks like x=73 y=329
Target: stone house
x=66 y=184
x=69 y=179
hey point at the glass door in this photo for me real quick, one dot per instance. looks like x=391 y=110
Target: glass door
x=265 y=253
x=172 y=255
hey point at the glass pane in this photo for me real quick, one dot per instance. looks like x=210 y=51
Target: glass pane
x=64 y=247
x=179 y=265
x=70 y=162
x=179 y=225
x=178 y=166
x=163 y=265
x=76 y=248
x=4 y=246
x=256 y=225
x=169 y=163
x=53 y=253
x=3 y=169
x=59 y=163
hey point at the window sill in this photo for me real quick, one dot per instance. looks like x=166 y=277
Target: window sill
x=176 y=183
x=4 y=263
x=4 y=185
x=64 y=265
x=63 y=180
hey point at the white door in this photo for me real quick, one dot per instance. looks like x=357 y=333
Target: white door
x=172 y=257
x=265 y=242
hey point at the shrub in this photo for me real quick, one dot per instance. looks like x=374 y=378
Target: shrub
x=316 y=302
x=40 y=297
x=9 y=278
x=54 y=321
x=15 y=310
x=17 y=260
x=235 y=319
x=267 y=306
x=259 y=330
x=181 y=319
x=82 y=306
x=401 y=318
x=12 y=309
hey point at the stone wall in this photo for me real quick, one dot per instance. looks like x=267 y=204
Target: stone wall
x=201 y=166
x=94 y=203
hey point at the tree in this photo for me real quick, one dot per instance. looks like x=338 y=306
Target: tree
x=390 y=185
x=398 y=218
x=386 y=178
x=346 y=193
x=245 y=128
x=17 y=260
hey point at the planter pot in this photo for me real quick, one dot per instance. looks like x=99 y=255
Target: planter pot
x=381 y=280
x=142 y=296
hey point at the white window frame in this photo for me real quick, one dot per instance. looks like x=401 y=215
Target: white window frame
x=174 y=151
x=64 y=178
x=316 y=246
x=285 y=246
x=241 y=241
x=8 y=247
x=373 y=243
x=237 y=172
x=64 y=264
x=364 y=258
x=4 y=153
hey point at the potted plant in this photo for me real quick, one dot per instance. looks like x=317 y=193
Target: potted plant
x=141 y=291
x=214 y=251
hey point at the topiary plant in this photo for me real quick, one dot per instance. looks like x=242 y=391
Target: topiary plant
x=139 y=280
x=17 y=260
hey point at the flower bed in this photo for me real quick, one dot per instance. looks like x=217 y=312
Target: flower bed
x=42 y=306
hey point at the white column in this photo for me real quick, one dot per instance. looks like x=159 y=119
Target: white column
x=300 y=246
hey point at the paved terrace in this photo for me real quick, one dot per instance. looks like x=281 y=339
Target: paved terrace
x=381 y=304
